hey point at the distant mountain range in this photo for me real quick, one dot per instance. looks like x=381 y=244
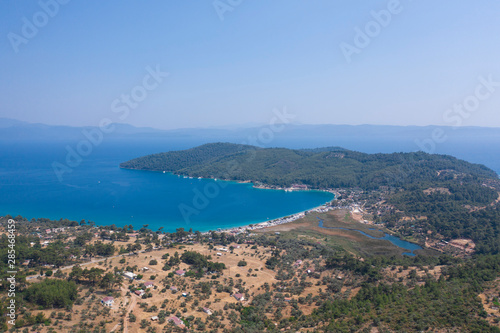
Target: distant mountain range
x=20 y=130
x=317 y=135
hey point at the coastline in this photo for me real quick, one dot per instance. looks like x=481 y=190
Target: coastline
x=252 y=212
x=264 y=224
x=274 y=222
x=257 y=185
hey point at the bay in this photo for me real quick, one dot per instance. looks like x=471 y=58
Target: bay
x=98 y=190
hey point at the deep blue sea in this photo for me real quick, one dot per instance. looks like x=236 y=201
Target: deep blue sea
x=98 y=190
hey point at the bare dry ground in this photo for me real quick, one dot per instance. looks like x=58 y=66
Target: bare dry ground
x=253 y=276
x=217 y=301
x=491 y=302
x=127 y=302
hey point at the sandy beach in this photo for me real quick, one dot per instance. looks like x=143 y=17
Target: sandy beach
x=271 y=223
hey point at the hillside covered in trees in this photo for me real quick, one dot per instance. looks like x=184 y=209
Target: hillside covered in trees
x=422 y=193
x=318 y=168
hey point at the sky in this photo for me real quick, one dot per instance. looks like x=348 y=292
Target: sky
x=177 y=64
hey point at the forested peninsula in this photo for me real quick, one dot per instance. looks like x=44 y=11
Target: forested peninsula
x=425 y=198
x=321 y=168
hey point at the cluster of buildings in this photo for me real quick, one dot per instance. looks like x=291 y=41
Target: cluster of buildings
x=47 y=234
x=239 y=230
x=282 y=220
x=54 y=230
x=297 y=187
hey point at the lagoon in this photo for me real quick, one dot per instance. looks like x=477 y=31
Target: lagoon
x=394 y=240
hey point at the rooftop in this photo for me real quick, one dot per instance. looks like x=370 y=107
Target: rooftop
x=176 y=321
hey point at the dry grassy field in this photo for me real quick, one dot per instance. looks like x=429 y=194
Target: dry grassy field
x=253 y=276
x=215 y=291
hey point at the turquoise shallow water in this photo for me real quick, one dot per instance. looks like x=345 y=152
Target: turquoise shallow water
x=100 y=191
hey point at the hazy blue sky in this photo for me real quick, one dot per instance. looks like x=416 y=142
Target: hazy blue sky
x=262 y=55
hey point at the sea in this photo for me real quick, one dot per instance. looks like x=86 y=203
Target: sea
x=96 y=189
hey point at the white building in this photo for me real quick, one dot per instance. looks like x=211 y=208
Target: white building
x=129 y=275
x=108 y=301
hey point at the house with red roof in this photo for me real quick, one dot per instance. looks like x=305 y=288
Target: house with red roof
x=108 y=301
x=177 y=322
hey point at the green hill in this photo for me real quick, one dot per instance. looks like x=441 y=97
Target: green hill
x=331 y=167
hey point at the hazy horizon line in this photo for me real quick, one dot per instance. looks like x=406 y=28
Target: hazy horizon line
x=244 y=125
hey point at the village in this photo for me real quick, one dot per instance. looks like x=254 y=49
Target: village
x=143 y=281
x=150 y=296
